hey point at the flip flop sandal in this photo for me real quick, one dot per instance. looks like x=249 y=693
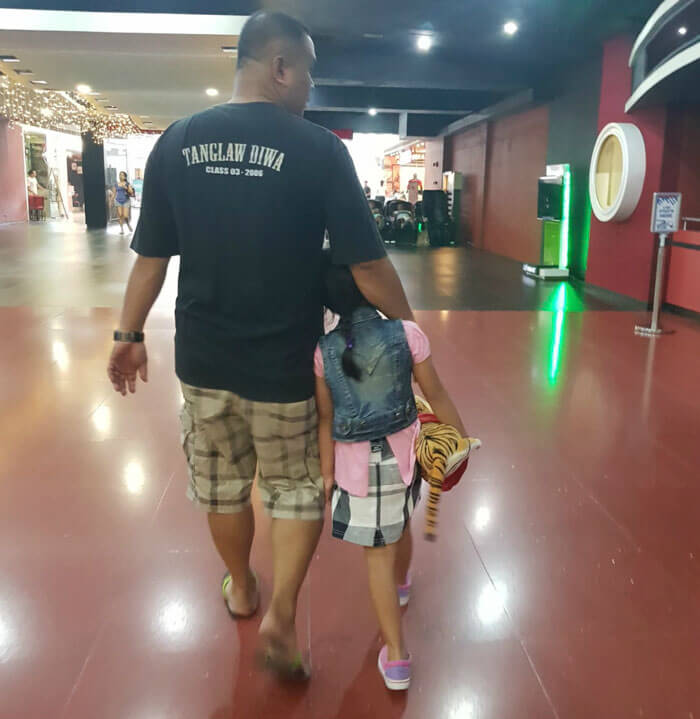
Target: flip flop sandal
x=225 y=583
x=291 y=670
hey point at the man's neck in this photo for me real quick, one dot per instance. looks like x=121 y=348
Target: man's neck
x=246 y=90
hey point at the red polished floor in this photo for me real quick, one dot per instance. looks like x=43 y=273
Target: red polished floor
x=565 y=582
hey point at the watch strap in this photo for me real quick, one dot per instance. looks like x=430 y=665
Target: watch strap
x=120 y=336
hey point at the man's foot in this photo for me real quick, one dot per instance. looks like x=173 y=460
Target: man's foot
x=241 y=602
x=129 y=226
x=278 y=650
x=396 y=674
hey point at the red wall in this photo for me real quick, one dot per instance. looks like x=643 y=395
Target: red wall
x=517 y=156
x=466 y=153
x=621 y=254
x=13 y=193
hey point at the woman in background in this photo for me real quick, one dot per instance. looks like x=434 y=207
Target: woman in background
x=122 y=199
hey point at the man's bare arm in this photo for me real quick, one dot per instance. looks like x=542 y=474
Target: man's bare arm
x=145 y=283
x=380 y=284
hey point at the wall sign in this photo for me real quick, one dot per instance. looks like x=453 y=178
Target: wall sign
x=618 y=169
x=666 y=212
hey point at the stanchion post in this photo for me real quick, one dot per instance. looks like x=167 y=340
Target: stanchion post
x=665 y=219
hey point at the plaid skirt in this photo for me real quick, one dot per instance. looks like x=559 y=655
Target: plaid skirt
x=381 y=517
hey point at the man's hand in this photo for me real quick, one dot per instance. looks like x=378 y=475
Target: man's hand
x=127 y=359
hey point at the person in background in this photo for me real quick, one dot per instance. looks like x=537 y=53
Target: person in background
x=368 y=190
x=415 y=186
x=123 y=192
x=249 y=309
x=367 y=434
x=35 y=196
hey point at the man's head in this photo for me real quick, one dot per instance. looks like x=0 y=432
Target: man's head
x=415 y=175
x=32 y=173
x=275 y=57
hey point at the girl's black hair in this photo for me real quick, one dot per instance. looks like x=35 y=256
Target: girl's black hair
x=342 y=296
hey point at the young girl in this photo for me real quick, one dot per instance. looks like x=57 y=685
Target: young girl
x=368 y=430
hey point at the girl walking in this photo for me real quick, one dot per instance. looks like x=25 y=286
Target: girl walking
x=368 y=430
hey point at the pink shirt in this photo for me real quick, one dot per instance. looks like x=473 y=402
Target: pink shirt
x=352 y=458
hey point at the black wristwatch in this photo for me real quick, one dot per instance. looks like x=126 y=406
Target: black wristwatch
x=120 y=336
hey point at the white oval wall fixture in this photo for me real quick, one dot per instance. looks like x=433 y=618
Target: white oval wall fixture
x=618 y=169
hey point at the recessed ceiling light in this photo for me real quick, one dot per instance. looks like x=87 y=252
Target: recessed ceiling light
x=229 y=48
x=212 y=91
x=511 y=27
x=39 y=82
x=683 y=30
x=9 y=58
x=372 y=111
x=83 y=89
x=424 y=43
x=24 y=72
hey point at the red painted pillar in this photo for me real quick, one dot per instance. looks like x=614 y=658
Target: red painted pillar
x=621 y=255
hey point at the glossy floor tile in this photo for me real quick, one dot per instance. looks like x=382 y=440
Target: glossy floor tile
x=564 y=584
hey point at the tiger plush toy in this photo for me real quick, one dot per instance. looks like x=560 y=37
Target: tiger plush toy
x=442 y=454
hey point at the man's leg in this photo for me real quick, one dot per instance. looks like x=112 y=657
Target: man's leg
x=221 y=458
x=293 y=544
x=233 y=537
x=291 y=489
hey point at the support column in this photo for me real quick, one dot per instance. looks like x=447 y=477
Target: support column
x=13 y=181
x=94 y=183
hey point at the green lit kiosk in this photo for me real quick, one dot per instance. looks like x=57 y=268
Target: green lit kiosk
x=553 y=208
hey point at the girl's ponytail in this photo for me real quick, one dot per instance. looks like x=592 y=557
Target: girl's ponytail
x=349 y=366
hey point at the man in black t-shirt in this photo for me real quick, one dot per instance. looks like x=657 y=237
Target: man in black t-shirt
x=243 y=193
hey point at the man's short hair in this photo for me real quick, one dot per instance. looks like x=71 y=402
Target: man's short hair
x=264 y=26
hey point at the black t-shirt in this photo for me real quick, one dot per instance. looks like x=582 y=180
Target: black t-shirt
x=243 y=193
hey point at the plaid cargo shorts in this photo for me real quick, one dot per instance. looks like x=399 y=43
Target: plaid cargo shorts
x=227 y=439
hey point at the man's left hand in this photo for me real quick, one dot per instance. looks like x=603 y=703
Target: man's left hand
x=127 y=360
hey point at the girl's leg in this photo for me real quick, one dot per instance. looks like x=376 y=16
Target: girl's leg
x=404 y=554
x=127 y=217
x=381 y=569
x=120 y=215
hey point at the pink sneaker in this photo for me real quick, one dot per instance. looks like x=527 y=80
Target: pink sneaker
x=405 y=591
x=396 y=675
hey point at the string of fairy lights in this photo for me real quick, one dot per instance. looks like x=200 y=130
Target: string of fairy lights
x=64 y=112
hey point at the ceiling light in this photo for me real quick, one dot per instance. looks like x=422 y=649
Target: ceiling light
x=83 y=89
x=39 y=82
x=424 y=43
x=372 y=111
x=683 y=30
x=212 y=91
x=511 y=27
x=9 y=58
x=24 y=72
x=229 y=48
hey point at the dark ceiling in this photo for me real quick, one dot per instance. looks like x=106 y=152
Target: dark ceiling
x=367 y=55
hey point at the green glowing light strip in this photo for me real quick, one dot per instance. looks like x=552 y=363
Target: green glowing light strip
x=565 y=218
x=555 y=354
